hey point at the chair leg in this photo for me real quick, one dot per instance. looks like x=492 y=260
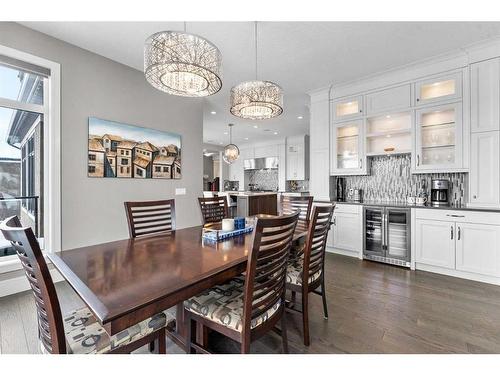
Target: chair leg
x=284 y=336
x=162 y=342
x=152 y=347
x=245 y=347
x=190 y=334
x=305 y=317
x=323 y=296
x=294 y=298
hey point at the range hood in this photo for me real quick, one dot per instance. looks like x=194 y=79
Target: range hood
x=260 y=163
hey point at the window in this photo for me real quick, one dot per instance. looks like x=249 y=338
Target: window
x=138 y=171
x=92 y=157
x=127 y=152
x=122 y=152
x=121 y=169
x=91 y=169
x=29 y=127
x=124 y=161
x=178 y=169
x=110 y=161
x=128 y=170
x=157 y=169
x=165 y=169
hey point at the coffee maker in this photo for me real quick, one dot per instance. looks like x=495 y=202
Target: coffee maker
x=440 y=192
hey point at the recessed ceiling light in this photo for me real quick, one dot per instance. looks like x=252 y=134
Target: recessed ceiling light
x=221 y=143
x=225 y=133
x=213 y=113
x=255 y=126
x=300 y=117
x=275 y=133
x=246 y=139
x=388 y=116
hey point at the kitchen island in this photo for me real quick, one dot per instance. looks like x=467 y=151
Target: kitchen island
x=251 y=203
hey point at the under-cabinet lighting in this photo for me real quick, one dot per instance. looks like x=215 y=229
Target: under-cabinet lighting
x=213 y=113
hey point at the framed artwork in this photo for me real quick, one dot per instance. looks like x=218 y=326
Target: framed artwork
x=127 y=151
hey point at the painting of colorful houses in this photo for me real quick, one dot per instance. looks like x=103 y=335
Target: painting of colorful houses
x=128 y=151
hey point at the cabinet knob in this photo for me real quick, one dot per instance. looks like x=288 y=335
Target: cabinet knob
x=360 y=111
x=418 y=99
x=474 y=196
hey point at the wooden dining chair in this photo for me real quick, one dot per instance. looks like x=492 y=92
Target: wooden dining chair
x=213 y=209
x=305 y=274
x=78 y=332
x=247 y=307
x=302 y=204
x=150 y=217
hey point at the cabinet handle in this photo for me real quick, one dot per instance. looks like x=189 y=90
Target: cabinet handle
x=474 y=196
x=360 y=111
x=418 y=160
x=360 y=163
x=458 y=236
x=452 y=232
x=455 y=215
x=334 y=220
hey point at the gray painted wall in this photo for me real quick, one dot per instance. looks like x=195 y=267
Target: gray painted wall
x=91 y=85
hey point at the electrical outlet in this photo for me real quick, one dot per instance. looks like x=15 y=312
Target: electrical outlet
x=180 y=191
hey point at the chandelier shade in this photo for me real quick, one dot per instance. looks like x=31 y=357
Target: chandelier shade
x=257 y=100
x=182 y=64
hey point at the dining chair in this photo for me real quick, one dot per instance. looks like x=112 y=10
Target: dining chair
x=302 y=204
x=150 y=217
x=213 y=209
x=78 y=332
x=249 y=306
x=305 y=274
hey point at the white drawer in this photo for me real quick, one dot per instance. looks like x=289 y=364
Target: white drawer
x=463 y=216
x=348 y=208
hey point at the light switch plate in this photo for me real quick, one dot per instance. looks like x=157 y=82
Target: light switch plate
x=180 y=191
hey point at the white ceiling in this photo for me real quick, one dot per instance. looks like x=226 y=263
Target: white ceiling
x=300 y=56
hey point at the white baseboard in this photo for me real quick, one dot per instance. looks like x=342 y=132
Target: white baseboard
x=20 y=283
x=349 y=253
x=460 y=274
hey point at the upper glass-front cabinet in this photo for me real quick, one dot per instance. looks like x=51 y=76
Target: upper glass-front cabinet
x=348 y=108
x=447 y=87
x=348 y=156
x=439 y=138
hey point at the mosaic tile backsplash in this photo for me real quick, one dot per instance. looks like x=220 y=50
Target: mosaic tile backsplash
x=391 y=179
x=266 y=179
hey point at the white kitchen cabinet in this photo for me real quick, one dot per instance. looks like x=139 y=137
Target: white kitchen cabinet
x=297 y=158
x=319 y=183
x=485 y=95
x=437 y=89
x=389 y=100
x=484 y=177
x=438 y=144
x=348 y=156
x=236 y=173
x=347 y=108
x=477 y=248
x=346 y=231
x=435 y=243
x=266 y=151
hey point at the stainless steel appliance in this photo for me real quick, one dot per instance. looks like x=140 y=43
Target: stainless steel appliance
x=440 y=192
x=260 y=163
x=387 y=236
x=355 y=195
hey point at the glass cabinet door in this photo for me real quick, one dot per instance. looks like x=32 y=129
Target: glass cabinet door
x=349 y=108
x=439 y=140
x=348 y=141
x=374 y=231
x=438 y=89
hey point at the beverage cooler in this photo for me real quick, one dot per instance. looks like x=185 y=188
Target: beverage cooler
x=387 y=236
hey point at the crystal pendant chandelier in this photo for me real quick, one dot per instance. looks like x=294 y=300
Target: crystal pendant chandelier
x=182 y=64
x=256 y=100
x=231 y=151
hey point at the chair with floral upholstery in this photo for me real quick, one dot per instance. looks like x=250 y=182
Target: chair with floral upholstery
x=247 y=307
x=305 y=274
x=78 y=332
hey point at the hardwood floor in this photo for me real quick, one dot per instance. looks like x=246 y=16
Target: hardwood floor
x=374 y=308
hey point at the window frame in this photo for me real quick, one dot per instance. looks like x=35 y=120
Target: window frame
x=51 y=112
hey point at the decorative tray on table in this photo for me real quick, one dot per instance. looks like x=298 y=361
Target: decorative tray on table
x=217 y=235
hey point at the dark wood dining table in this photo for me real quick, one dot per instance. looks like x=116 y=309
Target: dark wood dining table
x=124 y=282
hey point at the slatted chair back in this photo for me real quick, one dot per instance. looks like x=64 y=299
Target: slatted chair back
x=266 y=267
x=150 y=217
x=50 y=321
x=301 y=204
x=314 y=251
x=213 y=209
